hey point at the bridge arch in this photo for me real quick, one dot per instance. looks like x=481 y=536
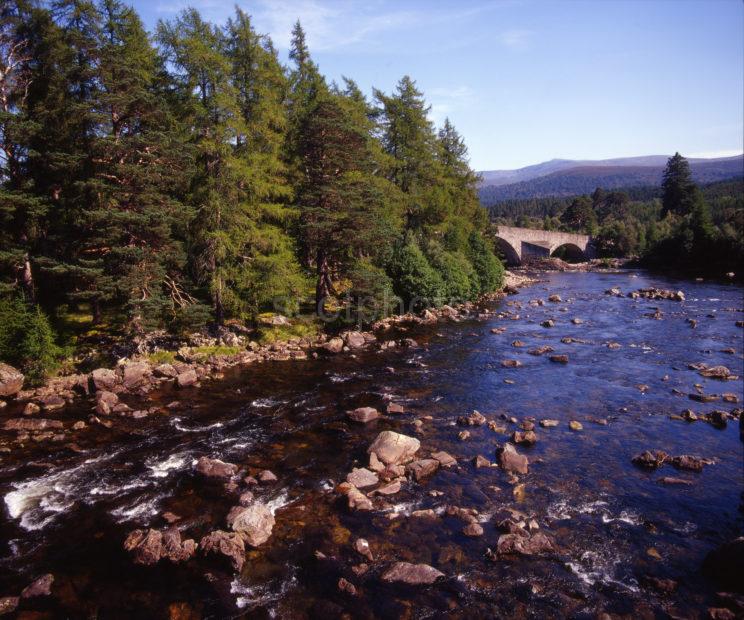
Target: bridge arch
x=507 y=250
x=570 y=252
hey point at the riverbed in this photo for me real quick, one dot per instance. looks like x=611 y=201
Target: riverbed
x=617 y=529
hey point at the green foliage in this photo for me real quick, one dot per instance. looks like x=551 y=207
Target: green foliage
x=415 y=281
x=489 y=269
x=372 y=293
x=580 y=215
x=162 y=357
x=27 y=340
x=461 y=282
x=677 y=186
x=305 y=327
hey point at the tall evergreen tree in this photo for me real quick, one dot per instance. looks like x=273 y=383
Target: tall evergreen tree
x=139 y=164
x=269 y=265
x=677 y=186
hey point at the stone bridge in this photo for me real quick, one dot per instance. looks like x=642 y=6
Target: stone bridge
x=520 y=244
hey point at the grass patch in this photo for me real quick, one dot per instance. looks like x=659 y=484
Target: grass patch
x=302 y=327
x=207 y=352
x=162 y=357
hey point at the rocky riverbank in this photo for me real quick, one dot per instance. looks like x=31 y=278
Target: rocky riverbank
x=122 y=391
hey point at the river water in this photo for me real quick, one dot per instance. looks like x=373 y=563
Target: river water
x=614 y=525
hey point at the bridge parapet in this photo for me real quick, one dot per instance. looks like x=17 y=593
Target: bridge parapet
x=518 y=243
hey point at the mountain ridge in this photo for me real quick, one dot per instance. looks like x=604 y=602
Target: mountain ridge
x=561 y=177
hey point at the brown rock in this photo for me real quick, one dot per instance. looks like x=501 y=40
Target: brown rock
x=346 y=586
x=176 y=550
x=412 y=574
x=423 y=468
x=524 y=543
x=473 y=530
x=31 y=409
x=267 y=476
x=357 y=500
x=363 y=414
x=511 y=363
x=35 y=424
x=187 y=378
x=481 y=461
x=165 y=371
x=559 y=359
x=362 y=478
x=254 y=523
x=334 y=345
x=549 y=423
x=393 y=448
x=527 y=438
x=575 y=425
x=395 y=408
x=8 y=604
x=650 y=460
x=445 y=459
x=511 y=461
x=40 y=587
x=11 y=380
x=214 y=468
x=145 y=546
x=361 y=546
x=135 y=375
x=542 y=350
x=228 y=545
x=104 y=379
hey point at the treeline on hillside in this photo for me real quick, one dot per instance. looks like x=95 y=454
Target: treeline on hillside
x=188 y=177
x=677 y=226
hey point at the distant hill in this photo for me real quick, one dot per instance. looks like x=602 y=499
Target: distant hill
x=561 y=177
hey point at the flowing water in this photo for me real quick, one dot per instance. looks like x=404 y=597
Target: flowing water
x=614 y=525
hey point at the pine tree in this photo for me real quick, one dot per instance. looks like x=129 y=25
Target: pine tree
x=139 y=164
x=269 y=266
x=677 y=186
x=579 y=215
x=339 y=204
x=196 y=51
x=20 y=210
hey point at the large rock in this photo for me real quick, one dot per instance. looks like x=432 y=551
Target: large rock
x=650 y=460
x=214 y=468
x=423 y=468
x=11 y=380
x=363 y=414
x=135 y=375
x=187 y=378
x=511 y=461
x=412 y=574
x=227 y=545
x=393 y=448
x=105 y=402
x=254 y=523
x=334 y=345
x=39 y=587
x=148 y=547
x=362 y=478
x=8 y=604
x=523 y=543
x=34 y=424
x=104 y=379
x=354 y=340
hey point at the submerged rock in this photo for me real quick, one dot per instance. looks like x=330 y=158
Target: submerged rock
x=474 y=419
x=524 y=543
x=412 y=574
x=423 y=468
x=394 y=448
x=361 y=478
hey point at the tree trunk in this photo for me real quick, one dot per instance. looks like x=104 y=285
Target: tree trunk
x=27 y=280
x=324 y=286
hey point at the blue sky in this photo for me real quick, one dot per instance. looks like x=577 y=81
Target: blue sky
x=525 y=81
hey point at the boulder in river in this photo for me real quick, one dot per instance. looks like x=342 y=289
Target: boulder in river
x=227 y=545
x=145 y=546
x=11 y=380
x=254 y=522
x=689 y=463
x=214 y=468
x=716 y=372
x=474 y=419
x=528 y=437
x=395 y=408
x=511 y=363
x=39 y=587
x=187 y=378
x=8 y=604
x=412 y=574
x=524 y=543
x=511 y=461
x=650 y=460
x=363 y=414
x=135 y=375
x=541 y=350
x=547 y=423
x=423 y=468
x=362 y=478
x=445 y=459
x=559 y=359
x=394 y=448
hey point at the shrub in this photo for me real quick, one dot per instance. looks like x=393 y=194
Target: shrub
x=489 y=268
x=461 y=282
x=416 y=282
x=371 y=293
x=27 y=340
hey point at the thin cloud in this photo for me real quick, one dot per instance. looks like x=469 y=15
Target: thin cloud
x=517 y=40
x=446 y=101
x=714 y=154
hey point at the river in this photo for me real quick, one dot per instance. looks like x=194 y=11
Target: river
x=613 y=524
